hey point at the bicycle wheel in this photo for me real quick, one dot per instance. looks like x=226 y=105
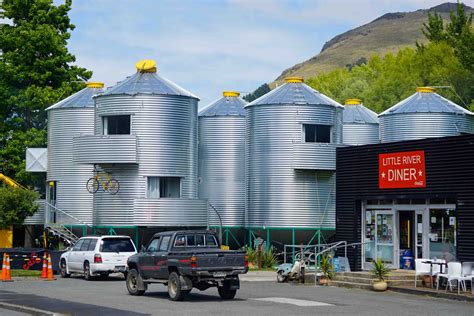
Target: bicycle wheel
x=92 y=185
x=113 y=186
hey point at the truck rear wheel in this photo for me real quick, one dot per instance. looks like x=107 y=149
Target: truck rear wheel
x=225 y=292
x=174 y=288
x=133 y=280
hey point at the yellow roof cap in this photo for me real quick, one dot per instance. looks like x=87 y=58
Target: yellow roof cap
x=94 y=84
x=231 y=93
x=353 y=101
x=425 y=89
x=146 y=65
x=294 y=79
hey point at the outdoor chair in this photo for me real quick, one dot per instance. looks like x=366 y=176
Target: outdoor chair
x=421 y=268
x=454 y=274
x=466 y=274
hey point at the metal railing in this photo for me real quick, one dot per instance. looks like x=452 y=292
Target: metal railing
x=50 y=209
x=220 y=222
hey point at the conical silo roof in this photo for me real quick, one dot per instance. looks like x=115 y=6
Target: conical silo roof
x=146 y=81
x=80 y=99
x=294 y=91
x=231 y=104
x=356 y=113
x=425 y=100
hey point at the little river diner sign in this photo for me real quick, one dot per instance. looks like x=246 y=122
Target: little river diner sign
x=402 y=170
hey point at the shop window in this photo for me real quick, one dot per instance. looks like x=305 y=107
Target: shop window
x=116 y=125
x=163 y=187
x=442 y=234
x=313 y=133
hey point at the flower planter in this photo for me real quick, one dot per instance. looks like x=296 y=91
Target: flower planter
x=380 y=286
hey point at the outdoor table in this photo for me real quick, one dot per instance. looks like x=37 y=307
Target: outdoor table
x=431 y=263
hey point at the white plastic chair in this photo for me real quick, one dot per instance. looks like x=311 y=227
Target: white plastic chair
x=454 y=274
x=466 y=274
x=421 y=268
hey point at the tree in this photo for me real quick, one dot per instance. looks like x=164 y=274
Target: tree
x=434 y=28
x=263 y=89
x=36 y=71
x=16 y=204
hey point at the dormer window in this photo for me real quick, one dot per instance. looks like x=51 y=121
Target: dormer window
x=116 y=125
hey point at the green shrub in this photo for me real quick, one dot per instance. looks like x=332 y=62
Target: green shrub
x=380 y=270
x=326 y=266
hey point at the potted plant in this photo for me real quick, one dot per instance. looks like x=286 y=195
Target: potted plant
x=380 y=271
x=327 y=269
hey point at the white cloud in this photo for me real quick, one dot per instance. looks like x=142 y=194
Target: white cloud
x=208 y=46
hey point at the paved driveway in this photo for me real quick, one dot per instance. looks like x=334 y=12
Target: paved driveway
x=79 y=297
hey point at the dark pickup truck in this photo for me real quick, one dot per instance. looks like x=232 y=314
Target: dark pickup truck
x=183 y=260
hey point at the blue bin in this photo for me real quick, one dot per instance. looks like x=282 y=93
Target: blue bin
x=406 y=259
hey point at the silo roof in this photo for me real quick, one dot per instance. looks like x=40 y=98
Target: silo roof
x=294 y=92
x=426 y=101
x=356 y=113
x=80 y=99
x=229 y=105
x=146 y=81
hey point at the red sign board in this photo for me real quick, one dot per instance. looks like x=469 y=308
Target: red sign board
x=402 y=170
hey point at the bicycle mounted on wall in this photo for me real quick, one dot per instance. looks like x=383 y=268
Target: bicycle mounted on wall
x=104 y=180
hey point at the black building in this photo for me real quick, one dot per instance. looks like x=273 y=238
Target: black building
x=403 y=200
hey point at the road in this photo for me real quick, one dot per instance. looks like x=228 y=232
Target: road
x=76 y=296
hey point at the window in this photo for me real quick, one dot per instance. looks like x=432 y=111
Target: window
x=180 y=241
x=164 y=243
x=313 y=133
x=211 y=241
x=116 y=125
x=200 y=240
x=153 y=246
x=442 y=234
x=117 y=245
x=85 y=245
x=92 y=244
x=164 y=187
x=78 y=245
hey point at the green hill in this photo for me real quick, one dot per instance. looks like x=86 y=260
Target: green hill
x=388 y=33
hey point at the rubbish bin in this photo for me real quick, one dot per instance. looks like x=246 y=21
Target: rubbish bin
x=406 y=259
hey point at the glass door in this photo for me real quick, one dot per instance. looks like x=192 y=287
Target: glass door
x=384 y=236
x=420 y=227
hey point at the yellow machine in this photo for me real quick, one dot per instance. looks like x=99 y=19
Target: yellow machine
x=6 y=234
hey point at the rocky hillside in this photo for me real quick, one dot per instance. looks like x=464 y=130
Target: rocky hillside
x=387 y=33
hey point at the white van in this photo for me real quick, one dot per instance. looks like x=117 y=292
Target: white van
x=97 y=256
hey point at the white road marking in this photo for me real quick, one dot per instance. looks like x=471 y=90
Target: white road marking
x=285 y=300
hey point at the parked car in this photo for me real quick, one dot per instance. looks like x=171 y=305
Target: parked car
x=97 y=256
x=183 y=260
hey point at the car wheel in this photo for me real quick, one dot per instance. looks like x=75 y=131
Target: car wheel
x=174 y=288
x=133 y=279
x=225 y=292
x=87 y=272
x=280 y=277
x=63 y=270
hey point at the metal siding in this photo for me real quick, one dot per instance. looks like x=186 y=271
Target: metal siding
x=166 y=131
x=449 y=173
x=98 y=149
x=314 y=156
x=38 y=217
x=361 y=134
x=276 y=194
x=169 y=212
x=71 y=195
x=410 y=126
x=221 y=167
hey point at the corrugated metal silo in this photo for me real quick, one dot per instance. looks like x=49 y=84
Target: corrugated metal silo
x=152 y=152
x=361 y=125
x=425 y=114
x=68 y=118
x=222 y=159
x=291 y=137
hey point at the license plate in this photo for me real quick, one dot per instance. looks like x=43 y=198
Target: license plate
x=219 y=274
x=119 y=268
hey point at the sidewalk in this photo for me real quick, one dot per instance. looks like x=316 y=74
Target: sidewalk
x=258 y=276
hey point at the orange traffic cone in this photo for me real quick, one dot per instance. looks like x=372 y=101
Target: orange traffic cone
x=50 y=270
x=4 y=266
x=44 y=271
x=8 y=274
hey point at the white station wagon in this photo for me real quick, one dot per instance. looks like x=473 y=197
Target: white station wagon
x=97 y=256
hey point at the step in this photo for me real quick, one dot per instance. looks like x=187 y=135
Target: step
x=370 y=280
x=352 y=285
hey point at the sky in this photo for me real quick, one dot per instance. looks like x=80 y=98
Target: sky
x=208 y=46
